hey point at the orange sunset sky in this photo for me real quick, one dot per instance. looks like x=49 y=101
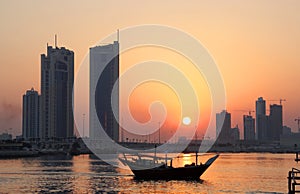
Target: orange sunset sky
x=255 y=44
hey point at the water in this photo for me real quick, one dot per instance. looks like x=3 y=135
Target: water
x=231 y=173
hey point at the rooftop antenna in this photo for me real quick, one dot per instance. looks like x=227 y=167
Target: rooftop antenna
x=55 y=41
x=118 y=35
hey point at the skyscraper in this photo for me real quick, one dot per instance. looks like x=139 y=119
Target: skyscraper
x=30 y=116
x=223 y=124
x=260 y=106
x=275 y=122
x=57 y=79
x=261 y=119
x=104 y=73
x=235 y=133
x=249 y=127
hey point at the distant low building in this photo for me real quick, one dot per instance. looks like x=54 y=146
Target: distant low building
x=5 y=137
x=19 y=137
x=290 y=140
x=235 y=133
x=286 y=130
x=182 y=139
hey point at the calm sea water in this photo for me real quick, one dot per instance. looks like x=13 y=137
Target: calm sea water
x=231 y=173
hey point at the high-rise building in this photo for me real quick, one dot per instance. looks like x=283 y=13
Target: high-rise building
x=275 y=122
x=30 y=116
x=263 y=124
x=223 y=124
x=57 y=79
x=249 y=127
x=235 y=133
x=261 y=120
x=260 y=106
x=104 y=73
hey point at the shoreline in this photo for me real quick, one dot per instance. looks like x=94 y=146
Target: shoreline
x=34 y=154
x=27 y=149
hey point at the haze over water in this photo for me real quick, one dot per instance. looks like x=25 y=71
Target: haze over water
x=254 y=44
x=231 y=173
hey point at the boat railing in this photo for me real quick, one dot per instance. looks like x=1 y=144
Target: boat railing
x=144 y=159
x=294 y=178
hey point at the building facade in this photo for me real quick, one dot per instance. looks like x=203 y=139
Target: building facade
x=235 y=134
x=276 y=124
x=104 y=73
x=223 y=127
x=57 y=79
x=30 y=115
x=249 y=128
x=261 y=120
x=286 y=130
x=5 y=137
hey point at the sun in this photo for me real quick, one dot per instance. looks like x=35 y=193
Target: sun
x=186 y=120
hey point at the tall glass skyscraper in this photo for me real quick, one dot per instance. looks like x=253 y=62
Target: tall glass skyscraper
x=249 y=127
x=223 y=127
x=30 y=116
x=104 y=73
x=57 y=79
x=276 y=124
x=261 y=119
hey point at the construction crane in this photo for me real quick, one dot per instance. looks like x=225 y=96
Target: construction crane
x=249 y=111
x=280 y=100
x=298 y=122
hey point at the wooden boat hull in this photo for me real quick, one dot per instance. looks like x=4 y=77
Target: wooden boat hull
x=169 y=173
x=164 y=172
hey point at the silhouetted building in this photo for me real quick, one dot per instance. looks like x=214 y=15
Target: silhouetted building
x=235 y=133
x=286 y=130
x=249 y=128
x=223 y=127
x=291 y=140
x=275 y=122
x=261 y=120
x=260 y=106
x=57 y=79
x=30 y=116
x=5 y=137
x=104 y=73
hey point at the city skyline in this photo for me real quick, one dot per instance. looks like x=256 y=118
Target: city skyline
x=111 y=50
x=155 y=96
x=267 y=66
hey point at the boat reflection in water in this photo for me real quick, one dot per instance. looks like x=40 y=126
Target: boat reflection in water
x=155 y=168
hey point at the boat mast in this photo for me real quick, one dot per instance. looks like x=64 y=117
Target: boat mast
x=155 y=154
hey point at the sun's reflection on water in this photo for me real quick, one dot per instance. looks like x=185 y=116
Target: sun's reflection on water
x=84 y=174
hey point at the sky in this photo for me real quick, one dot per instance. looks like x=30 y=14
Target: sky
x=255 y=44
